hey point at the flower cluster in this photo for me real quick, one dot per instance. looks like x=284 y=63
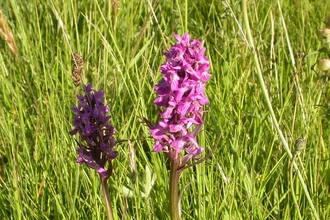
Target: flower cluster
x=323 y=35
x=95 y=131
x=180 y=98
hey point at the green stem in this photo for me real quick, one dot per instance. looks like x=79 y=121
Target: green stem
x=174 y=191
x=292 y=188
x=106 y=194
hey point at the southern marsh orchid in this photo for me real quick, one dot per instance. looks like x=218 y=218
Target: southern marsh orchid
x=181 y=98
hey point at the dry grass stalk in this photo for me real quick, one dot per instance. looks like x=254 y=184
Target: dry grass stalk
x=115 y=6
x=6 y=32
x=132 y=161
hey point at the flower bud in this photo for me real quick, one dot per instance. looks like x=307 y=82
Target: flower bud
x=323 y=64
x=323 y=34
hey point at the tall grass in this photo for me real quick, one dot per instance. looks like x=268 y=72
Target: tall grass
x=247 y=178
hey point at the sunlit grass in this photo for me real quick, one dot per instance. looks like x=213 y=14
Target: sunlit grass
x=247 y=177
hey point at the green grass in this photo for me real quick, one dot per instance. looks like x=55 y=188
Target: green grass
x=246 y=178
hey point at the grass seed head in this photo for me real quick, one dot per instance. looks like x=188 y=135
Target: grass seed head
x=7 y=34
x=78 y=69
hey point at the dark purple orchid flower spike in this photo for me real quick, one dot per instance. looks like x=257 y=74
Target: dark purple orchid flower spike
x=96 y=133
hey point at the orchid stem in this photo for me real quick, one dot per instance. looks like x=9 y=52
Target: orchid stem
x=174 y=191
x=106 y=194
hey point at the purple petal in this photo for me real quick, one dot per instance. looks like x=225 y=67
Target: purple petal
x=181 y=96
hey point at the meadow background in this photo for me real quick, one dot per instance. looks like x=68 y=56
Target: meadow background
x=122 y=44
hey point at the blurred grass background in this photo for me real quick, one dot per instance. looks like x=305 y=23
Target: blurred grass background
x=122 y=44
